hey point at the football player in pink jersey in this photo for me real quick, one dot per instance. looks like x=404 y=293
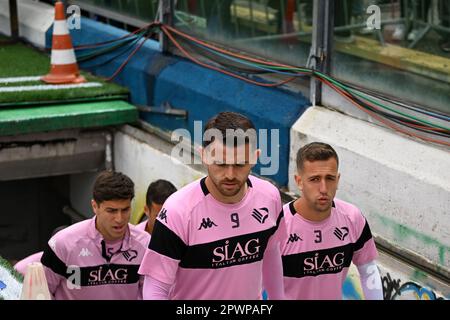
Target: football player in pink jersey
x=157 y=192
x=325 y=234
x=219 y=237
x=99 y=258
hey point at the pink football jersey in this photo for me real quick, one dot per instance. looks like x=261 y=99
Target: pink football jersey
x=211 y=250
x=142 y=226
x=22 y=265
x=316 y=255
x=80 y=264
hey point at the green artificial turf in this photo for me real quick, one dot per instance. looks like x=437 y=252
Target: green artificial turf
x=66 y=116
x=20 y=60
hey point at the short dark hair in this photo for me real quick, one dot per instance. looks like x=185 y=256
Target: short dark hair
x=158 y=191
x=315 y=151
x=111 y=185
x=228 y=120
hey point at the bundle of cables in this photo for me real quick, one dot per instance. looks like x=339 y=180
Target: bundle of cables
x=121 y=46
x=392 y=113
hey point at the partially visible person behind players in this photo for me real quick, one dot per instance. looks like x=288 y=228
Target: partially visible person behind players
x=21 y=266
x=98 y=258
x=218 y=237
x=157 y=193
x=325 y=234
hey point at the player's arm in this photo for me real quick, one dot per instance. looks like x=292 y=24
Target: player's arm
x=272 y=263
x=155 y=290
x=141 y=277
x=371 y=281
x=164 y=253
x=273 y=274
x=364 y=259
x=54 y=268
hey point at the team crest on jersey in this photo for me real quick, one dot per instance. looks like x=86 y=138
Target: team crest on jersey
x=341 y=233
x=260 y=214
x=130 y=254
x=207 y=223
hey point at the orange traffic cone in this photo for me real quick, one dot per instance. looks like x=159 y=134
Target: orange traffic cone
x=64 y=68
x=35 y=285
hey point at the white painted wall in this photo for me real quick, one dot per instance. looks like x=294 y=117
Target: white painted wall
x=81 y=186
x=401 y=185
x=35 y=18
x=143 y=163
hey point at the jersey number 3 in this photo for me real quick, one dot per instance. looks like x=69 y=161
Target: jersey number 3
x=235 y=219
x=318 y=236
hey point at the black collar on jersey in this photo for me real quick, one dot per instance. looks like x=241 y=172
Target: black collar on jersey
x=292 y=208
x=206 y=191
x=105 y=254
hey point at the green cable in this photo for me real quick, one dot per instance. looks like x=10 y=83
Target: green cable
x=113 y=46
x=347 y=89
x=344 y=87
x=381 y=105
x=108 y=49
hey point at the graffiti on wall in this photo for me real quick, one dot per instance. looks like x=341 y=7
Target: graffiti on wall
x=394 y=288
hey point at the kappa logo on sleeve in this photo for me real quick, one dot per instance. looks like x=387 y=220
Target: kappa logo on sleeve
x=84 y=252
x=163 y=215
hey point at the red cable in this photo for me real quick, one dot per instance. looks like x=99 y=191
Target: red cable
x=283 y=65
x=127 y=60
x=165 y=29
x=93 y=45
x=190 y=57
x=229 y=52
x=375 y=116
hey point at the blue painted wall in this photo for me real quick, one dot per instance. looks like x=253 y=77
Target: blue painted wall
x=154 y=79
